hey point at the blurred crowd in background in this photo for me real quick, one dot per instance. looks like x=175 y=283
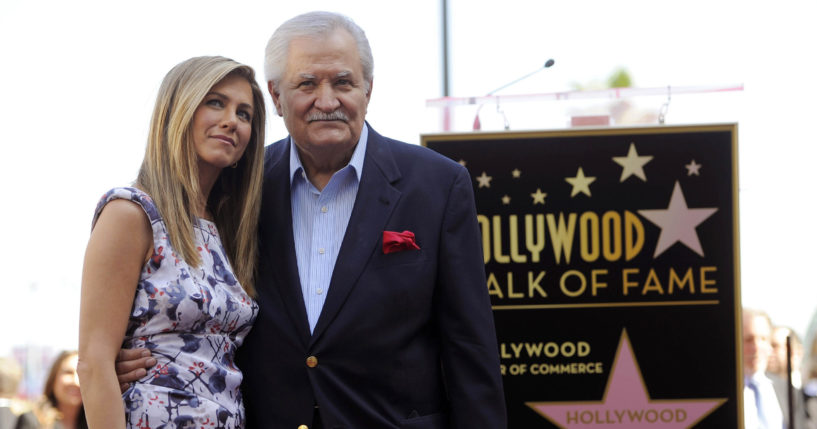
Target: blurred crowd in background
x=57 y=404
x=779 y=375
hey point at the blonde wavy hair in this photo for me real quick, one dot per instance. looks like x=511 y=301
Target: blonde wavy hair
x=169 y=172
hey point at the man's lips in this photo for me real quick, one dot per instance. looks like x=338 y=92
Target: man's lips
x=225 y=139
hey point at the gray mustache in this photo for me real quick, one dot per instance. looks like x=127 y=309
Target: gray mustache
x=337 y=115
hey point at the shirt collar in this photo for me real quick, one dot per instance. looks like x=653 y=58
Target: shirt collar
x=356 y=162
x=758 y=377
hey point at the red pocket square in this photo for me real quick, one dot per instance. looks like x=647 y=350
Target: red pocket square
x=398 y=241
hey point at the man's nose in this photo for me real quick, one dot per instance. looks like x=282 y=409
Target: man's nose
x=326 y=99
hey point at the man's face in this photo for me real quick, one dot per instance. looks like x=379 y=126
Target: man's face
x=322 y=94
x=757 y=346
x=777 y=362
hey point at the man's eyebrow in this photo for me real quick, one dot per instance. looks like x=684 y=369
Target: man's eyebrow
x=306 y=76
x=344 y=73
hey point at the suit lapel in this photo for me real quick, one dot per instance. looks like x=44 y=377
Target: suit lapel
x=277 y=218
x=375 y=201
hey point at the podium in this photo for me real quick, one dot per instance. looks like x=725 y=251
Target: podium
x=612 y=261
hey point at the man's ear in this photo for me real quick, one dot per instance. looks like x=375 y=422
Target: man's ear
x=276 y=97
x=369 y=92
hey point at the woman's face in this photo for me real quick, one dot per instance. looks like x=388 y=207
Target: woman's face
x=222 y=124
x=66 y=385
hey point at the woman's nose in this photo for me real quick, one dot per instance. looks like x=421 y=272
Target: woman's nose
x=229 y=120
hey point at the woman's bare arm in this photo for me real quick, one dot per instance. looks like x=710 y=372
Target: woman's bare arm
x=119 y=245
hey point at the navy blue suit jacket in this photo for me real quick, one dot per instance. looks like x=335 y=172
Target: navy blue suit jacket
x=404 y=340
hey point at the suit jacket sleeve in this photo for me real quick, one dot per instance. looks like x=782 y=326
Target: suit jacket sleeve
x=469 y=348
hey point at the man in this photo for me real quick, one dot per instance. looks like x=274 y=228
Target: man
x=778 y=360
x=374 y=311
x=763 y=408
x=373 y=338
x=778 y=372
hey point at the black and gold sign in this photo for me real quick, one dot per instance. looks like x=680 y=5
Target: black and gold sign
x=612 y=264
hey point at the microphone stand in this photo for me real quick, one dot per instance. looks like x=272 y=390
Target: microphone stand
x=789 y=385
x=477 y=125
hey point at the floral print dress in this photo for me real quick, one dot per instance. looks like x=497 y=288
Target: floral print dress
x=192 y=320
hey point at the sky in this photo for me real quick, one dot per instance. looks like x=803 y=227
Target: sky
x=79 y=80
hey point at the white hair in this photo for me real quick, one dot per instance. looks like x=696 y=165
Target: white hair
x=10 y=376
x=314 y=25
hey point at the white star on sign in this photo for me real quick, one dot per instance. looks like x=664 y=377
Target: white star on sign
x=693 y=168
x=538 y=197
x=516 y=173
x=678 y=223
x=506 y=200
x=462 y=162
x=484 y=180
x=580 y=183
x=632 y=163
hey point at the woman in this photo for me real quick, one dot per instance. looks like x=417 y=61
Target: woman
x=61 y=406
x=169 y=265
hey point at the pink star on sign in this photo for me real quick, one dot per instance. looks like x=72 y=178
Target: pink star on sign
x=626 y=403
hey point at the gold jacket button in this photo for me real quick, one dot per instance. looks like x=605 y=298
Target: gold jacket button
x=311 y=362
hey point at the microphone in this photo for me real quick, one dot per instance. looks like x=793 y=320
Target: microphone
x=549 y=63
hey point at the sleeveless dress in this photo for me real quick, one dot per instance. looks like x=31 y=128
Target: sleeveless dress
x=192 y=320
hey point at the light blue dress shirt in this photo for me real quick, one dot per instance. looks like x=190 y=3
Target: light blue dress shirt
x=319 y=221
x=760 y=405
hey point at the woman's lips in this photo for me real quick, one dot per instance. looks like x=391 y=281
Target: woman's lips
x=225 y=139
